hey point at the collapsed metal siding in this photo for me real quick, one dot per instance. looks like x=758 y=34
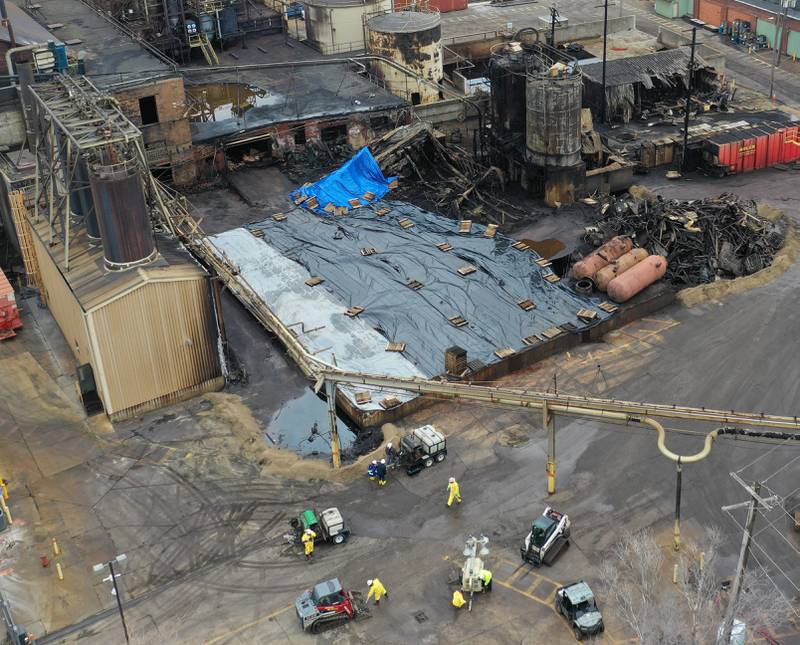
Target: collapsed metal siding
x=62 y=303
x=181 y=334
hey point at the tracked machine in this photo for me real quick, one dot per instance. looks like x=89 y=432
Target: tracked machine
x=327 y=606
x=548 y=536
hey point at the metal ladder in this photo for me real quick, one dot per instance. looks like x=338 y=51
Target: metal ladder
x=201 y=40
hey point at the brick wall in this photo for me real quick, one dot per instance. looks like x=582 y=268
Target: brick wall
x=734 y=10
x=169 y=141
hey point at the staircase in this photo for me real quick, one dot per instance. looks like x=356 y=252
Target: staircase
x=201 y=40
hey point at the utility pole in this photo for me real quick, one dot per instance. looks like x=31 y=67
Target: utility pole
x=549 y=422
x=688 y=101
x=605 y=42
x=676 y=536
x=778 y=42
x=336 y=446
x=99 y=568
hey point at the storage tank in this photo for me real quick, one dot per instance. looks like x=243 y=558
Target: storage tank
x=639 y=277
x=413 y=39
x=554 y=116
x=81 y=201
x=336 y=26
x=620 y=266
x=122 y=215
x=507 y=74
x=601 y=257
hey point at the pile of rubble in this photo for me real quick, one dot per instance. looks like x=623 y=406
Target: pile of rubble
x=440 y=176
x=703 y=240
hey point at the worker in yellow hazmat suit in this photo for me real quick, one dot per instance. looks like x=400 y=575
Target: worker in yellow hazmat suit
x=308 y=542
x=458 y=599
x=376 y=589
x=454 y=492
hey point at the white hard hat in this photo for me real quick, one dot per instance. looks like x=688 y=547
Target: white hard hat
x=452 y=480
x=374 y=461
x=383 y=461
x=369 y=582
x=389 y=445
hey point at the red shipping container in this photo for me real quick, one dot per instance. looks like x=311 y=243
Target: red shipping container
x=442 y=5
x=9 y=314
x=775 y=146
x=791 y=144
x=762 y=146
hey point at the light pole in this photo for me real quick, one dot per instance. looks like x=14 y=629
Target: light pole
x=688 y=100
x=778 y=41
x=605 y=40
x=99 y=568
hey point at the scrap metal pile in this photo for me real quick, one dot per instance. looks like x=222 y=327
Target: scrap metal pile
x=703 y=240
x=442 y=177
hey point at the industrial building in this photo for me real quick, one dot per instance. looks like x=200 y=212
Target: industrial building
x=136 y=310
x=752 y=22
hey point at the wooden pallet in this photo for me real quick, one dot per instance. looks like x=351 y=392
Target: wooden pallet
x=383 y=211
x=330 y=208
x=257 y=232
x=416 y=285
x=355 y=202
x=444 y=246
x=519 y=245
x=587 y=315
x=314 y=281
x=526 y=304
x=352 y=312
x=490 y=231
x=543 y=262
x=368 y=196
x=279 y=217
x=368 y=250
x=405 y=222
x=505 y=352
x=458 y=321
x=363 y=397
x=533 y=339
x=465 y=226
x=552 y=277
x=395 y=347
x=312 y=203
x=390 y=402
x=608 y=307
x=466 y=270
x=552 y=332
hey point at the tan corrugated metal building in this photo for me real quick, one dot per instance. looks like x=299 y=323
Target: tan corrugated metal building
x=150 y=334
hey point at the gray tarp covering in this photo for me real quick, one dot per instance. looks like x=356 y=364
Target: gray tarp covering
x=331 y=248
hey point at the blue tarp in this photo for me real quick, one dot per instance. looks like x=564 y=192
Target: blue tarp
x=360 y=175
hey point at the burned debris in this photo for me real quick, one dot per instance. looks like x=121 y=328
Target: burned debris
x=443 y=177
x=703 y=240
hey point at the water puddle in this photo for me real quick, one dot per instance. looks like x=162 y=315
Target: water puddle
x=224 y=101
x=302 y=425
x=546 y=248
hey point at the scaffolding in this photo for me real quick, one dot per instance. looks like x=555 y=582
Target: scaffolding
x=71 y=121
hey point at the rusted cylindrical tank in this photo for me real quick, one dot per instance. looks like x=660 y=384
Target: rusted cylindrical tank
x=413 y=39
x=553 y=122
x=618 y=267
x=507 y=74
x=615 y=248
x=81 y=201
x=638 y=277
x=122 y=215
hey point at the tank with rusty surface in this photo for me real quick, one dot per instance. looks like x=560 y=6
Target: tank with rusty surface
x=603 y=256
x=553 y=122
x=618 y=267
x=413 y=40
x=122 y=215
x=637 y=278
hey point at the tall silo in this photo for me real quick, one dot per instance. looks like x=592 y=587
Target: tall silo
x=122 y=215
x=413 y=39
x=553 y=130
x=337 y=26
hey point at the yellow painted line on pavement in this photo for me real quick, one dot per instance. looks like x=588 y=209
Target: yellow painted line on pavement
x=533 y=585
x=525 y=567
x=522 y=593
x=223 y=637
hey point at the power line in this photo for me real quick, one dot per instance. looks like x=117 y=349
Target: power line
x=755 y=543
x=789 y=463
